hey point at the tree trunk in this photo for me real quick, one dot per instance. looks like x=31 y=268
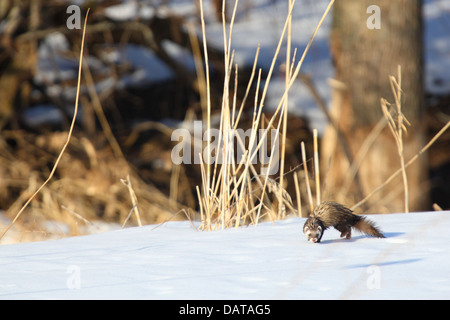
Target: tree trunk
x=364 y=58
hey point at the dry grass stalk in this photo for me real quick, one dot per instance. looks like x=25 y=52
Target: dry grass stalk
x=397 y=127
x=308 y=185
x=134 y=202
x=174 y=183
x=285 y=106
x=208 y=108
x=316 y=167
x=78 y=216
x=226 y=194
x=297 y=193
x=72 y=125
x=97 y=105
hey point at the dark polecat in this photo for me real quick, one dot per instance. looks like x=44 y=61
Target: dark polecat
x=331 y=214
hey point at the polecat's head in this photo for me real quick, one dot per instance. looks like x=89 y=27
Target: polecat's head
x=313 y=229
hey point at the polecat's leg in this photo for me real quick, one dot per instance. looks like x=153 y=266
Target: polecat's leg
x=347 y=233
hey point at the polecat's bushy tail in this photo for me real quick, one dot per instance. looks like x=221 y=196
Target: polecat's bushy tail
x=368 y=227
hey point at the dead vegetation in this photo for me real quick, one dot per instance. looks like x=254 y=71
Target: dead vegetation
x=120 y=172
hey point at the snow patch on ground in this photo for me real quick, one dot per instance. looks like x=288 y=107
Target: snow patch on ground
x=270 y=261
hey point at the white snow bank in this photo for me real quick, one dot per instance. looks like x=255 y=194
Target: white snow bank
x=270 y=261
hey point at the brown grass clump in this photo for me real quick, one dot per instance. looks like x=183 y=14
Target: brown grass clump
x=87 y=186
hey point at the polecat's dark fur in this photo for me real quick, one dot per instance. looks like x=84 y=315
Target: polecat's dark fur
x=331 y=214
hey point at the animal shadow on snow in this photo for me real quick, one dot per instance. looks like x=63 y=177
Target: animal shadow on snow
x=362 y=236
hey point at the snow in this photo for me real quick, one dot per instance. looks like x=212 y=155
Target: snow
x=437 y=46
x=43 y=114
x=269 y=261
x=123 y=11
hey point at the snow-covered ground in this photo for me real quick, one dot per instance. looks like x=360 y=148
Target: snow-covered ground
x=270 y=261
